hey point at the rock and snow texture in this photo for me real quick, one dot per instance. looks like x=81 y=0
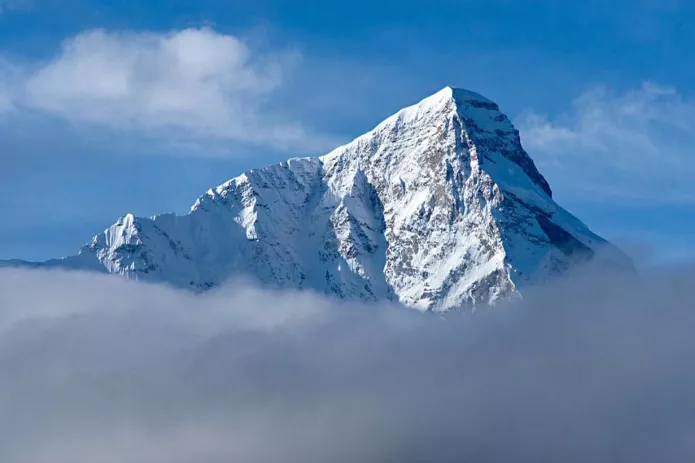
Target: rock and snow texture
x=438 y=207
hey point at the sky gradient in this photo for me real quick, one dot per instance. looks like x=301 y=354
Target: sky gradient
x=141 y=106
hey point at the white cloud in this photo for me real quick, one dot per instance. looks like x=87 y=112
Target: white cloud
x=94 y=368
x=187 y=85
x=638 y=145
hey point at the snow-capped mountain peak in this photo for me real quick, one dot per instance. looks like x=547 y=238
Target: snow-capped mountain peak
x=437 y=207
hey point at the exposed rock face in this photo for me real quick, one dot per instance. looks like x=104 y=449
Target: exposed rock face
x=438 y=207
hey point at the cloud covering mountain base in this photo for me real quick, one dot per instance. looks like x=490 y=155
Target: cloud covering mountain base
x=94 y=368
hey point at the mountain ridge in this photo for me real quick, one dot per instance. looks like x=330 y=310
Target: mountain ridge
x=437 y=207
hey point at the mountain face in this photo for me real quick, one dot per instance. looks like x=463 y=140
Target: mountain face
x=438 y=207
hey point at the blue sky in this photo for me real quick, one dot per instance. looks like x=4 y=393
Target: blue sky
x=131 y=106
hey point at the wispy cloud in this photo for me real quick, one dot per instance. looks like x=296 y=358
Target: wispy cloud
x=94 y=368
x=638 y=145
x=187 y=85
x=6 y=5
x=8 y=83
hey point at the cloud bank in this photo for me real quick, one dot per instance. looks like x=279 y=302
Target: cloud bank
x=93 y=368
x=638 y=145
x=193 y=85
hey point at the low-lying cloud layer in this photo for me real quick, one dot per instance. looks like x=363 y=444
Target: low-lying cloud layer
x=93 y=368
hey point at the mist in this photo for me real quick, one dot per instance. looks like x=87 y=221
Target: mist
x=592 y=368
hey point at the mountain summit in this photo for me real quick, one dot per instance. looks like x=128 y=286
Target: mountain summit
x=438 y=207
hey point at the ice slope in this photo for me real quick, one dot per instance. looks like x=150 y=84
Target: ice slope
x=438 y=207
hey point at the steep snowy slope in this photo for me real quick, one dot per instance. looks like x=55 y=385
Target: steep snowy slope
x=438 y=207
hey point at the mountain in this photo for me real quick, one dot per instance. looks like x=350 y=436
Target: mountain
x=438 y=207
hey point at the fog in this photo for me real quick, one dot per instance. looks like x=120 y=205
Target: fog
x=593 y=368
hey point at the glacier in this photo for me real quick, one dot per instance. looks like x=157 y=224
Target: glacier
x=438 y=207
